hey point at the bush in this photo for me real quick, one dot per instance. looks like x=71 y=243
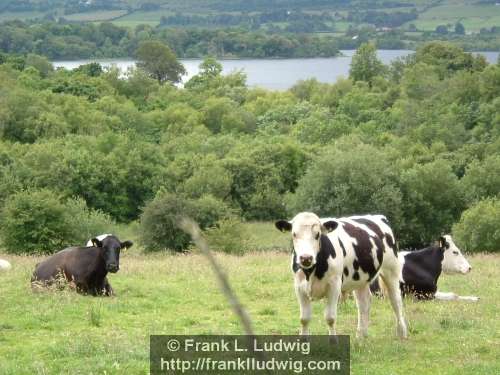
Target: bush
x=229 y=236
x=482 y=179
x=479 y=227
x=39 y=222
x=353 y=181
x=85 y=223
x=160 y=218
x=432 y=202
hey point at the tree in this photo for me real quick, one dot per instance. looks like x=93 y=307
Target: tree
x=459 y=29
x=210 y=70
x=482 y=179
x=160 y=219
x=159 y=61
x=40 y=63
x=477 y=229
x=448 y=58
x=348 y=179
x=442 y=29
x=365 y=65
x=35 y=221
x=432 y=202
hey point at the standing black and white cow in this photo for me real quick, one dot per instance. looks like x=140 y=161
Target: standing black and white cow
x=420 y=270
x=331 y=256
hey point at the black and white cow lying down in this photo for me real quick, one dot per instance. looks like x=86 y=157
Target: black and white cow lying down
x=420 y=270
x=331 y=256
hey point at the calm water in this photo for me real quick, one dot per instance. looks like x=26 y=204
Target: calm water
x=274 y=74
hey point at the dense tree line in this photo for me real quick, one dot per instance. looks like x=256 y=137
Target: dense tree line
x=417 y=141
x=253 y=21
x=106 y=40
x=88 y=40
x=381 y=18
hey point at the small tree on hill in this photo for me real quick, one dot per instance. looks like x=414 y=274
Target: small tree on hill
x=459 y=29
x=442 y=29
x=159 y=61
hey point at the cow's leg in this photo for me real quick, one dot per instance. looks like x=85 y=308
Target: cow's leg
x=392 y=283
x=363 y=300
x=108 y=290
x=305 y=311
x=449 y=296
x=332 y=299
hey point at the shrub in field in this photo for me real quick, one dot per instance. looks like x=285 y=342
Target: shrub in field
x=482 y=179
x=39 y=222
x=229 y=236
x=479 y=227
x=356 y=180
x=85 y=223
x=159 y=223
x=432 y=202
x=160 y=219
x=33 y=221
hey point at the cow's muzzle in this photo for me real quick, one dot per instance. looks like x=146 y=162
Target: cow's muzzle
x=113 y=268
x=306 y=261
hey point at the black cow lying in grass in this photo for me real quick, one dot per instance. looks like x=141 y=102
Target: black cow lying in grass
x=85 y=267
x=420 y=270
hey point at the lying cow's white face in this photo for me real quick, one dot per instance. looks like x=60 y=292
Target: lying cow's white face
x=306 y=231
x=453 y=261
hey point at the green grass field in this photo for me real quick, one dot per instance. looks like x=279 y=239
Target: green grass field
x=141 y=17
x=104 y=15
x=61 y=332
x=472 y=16
x=8 y=16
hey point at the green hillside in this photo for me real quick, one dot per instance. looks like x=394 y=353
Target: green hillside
x=273 y=15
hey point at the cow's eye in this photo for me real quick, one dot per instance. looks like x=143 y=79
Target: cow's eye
x=294 y=235
x=316 y=236
x=455 y=252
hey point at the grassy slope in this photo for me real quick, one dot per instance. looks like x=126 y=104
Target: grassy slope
x=95 y=16
x=472 y=16
x=62 y=332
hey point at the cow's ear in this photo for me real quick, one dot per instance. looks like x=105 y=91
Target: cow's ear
x=96 y=242
x=330 y=225
x=442 y=243
x=283 y=225
x=126 y=244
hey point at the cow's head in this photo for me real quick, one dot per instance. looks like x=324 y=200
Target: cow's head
x=306 y=231
x=453 y=261
x=110 y=249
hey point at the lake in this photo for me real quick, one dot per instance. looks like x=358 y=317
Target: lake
x=275 y=74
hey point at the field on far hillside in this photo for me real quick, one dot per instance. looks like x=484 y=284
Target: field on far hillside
x=65 y=333
x=472 y=16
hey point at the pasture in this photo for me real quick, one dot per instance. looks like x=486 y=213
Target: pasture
x=103 y=15
x=61 y=332
x=472 y=16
